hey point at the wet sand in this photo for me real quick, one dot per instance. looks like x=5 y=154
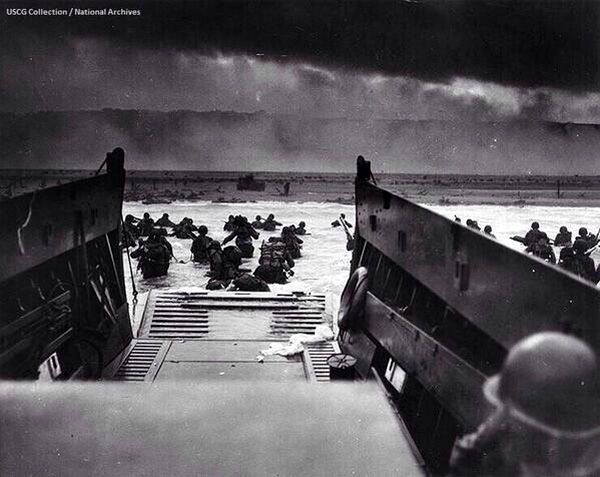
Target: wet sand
x=165 y=186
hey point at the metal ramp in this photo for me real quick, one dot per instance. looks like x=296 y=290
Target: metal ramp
x=315 y=359
x=141 y=361
x=209 y=335
x=231 y=315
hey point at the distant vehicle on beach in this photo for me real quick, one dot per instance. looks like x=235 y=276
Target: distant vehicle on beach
x=156 y=200
x=248 y=182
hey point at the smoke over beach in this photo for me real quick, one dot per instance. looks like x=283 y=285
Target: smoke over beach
x=188 y=140
x=271 y=86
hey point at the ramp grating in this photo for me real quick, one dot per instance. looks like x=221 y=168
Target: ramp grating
x=178 y=326
x=171 y=319
x=315 y=357
x=299 y=321
x=231 y=315
x=140 y=362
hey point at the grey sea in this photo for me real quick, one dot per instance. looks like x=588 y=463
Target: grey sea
x=325 y=263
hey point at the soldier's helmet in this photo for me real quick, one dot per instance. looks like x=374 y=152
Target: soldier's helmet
x=214 y=245
x=270 y=217
x=487 y=228
x=563 y=230
x=203 y=230
x=583 y=232
x=566 y=253
x=580 y=246
x=129 y=218
x=165 y=215
x=535 y=225
x=549 y=381
x=146 y=215
x=258 y=217
x=302 y=224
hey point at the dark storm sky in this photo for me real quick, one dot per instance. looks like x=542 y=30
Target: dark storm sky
x=454 y=53
x=497 y=61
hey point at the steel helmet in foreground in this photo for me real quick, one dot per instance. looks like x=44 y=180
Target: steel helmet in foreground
x=550 y=381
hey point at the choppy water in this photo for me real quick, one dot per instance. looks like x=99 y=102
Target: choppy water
x=507 y=221
x=325 y=263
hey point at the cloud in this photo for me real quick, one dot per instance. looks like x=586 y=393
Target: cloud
x=533 y=43
x=93 y=74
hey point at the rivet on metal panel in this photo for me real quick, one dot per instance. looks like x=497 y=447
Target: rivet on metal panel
x=402 y=240
x=373 y=222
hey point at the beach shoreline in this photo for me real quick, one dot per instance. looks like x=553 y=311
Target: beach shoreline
x=430 y=189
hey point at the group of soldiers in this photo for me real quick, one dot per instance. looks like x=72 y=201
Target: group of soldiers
x=487 y=230
x=574 y=254
x=277 y=254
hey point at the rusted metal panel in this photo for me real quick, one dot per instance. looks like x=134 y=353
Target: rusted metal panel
x=506 y=294
x=44 y=224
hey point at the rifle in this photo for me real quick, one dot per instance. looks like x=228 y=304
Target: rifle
x=349 y=236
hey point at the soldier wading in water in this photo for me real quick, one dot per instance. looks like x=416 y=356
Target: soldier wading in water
x=154 y=256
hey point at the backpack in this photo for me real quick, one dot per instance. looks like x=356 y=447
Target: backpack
x=272 y=254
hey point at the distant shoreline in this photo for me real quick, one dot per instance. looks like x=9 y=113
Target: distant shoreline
x=433 y=189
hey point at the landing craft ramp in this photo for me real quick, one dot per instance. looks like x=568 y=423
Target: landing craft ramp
x=188 y=397
x=212 y=408
x=201 y=335
x=206 y=428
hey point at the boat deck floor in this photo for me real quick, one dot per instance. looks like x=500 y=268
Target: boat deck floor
x=220 y=410
x=219 y=335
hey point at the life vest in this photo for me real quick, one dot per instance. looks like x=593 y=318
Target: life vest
x=352 y=302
